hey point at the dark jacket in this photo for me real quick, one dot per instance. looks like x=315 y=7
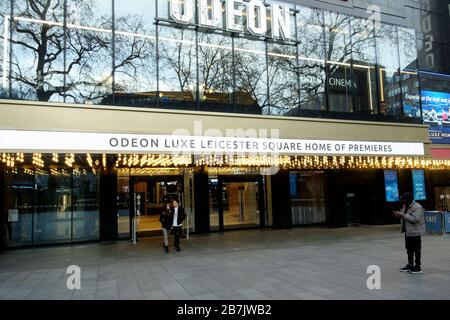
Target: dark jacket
x=181 y=215
x=166 y=218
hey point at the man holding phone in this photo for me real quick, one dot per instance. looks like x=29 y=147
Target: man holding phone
x=413 y=225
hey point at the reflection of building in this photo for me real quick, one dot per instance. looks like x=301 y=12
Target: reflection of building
x=210 y=101
x=179 y=80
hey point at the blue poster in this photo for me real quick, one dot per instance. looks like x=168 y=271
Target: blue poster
x=447 y=222
x=293 y=184
x=391 y=185
x=436 y=113
x=418 y=178
x=433 y=221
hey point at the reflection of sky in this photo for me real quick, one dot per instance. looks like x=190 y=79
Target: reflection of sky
x=146 y=8
x=101 y=12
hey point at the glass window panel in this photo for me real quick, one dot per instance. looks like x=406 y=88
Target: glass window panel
x=389 y=80
x=340 y=90
x=163 y=9
x=52 y=221
x=135 y=53
x=312 y=88
x=409 y=74
x=154 y=193
x=5 y=10
x=307 y=197
x=19 y=206
x=123 y=204
x=340 y=82
x=177 y=68
x=310 y=34
x=337 y=37
x=37 y=66
x=251 y=76
x=435 y=82
x=433 y=56
x=214 y=193
x=215 y=62
x=283 y=79
x=364 y=70
x=311 y=57
x=89 y=13
x=240 y=205
x=85 y=206
x=136 y=16
x=89 y=52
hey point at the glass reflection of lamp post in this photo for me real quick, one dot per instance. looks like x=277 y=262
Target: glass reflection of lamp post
x=444 y=197
x=192 y=91
x=447 y=196
x=136 y=216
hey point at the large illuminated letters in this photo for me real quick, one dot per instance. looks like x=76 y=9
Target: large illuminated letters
x=239 y=15
x=256 y=9
x=281 y=21
x=182 y=10
x=232 y=13
x=216 y=12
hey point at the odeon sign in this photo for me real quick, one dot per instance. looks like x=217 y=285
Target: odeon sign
x=254 y=15
x=80 y=142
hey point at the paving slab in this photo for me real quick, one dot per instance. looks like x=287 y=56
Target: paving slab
x=300 y=263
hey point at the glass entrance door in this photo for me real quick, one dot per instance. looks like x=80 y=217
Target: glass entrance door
x=442 y=198
x=236 y=203
x=240 y=205
x=150 y=194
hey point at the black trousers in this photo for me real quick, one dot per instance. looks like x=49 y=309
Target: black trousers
x=176 y=236
x=413 y=246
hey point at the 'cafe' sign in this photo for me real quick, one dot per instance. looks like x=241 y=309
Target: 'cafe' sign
x=252 y=16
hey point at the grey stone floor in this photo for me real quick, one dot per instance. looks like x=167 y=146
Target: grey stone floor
x=300 y=263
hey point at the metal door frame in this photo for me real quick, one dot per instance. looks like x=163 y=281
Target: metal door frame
x=259 y=179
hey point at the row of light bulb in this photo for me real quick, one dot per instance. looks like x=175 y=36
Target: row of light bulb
x=10 y=159
x=288 y=162
x=161 y=160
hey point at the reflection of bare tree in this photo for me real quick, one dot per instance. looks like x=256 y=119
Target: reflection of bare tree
x=283 y=79
x=52 y=61
x=215 y=58
x=135 y=55
x=407 y=45
x=250 y=71
x=45 y=42
x=178 y=58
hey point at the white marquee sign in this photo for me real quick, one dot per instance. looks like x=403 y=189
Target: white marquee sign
x=252 y=16
x=80 y=142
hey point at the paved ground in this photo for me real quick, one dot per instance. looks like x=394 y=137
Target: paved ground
x=301 y=263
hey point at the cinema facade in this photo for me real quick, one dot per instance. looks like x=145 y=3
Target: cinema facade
x=252 y=114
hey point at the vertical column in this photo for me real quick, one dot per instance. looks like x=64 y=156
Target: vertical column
x=405 y=181
x=189 y=198
x=336 y=198
x=108 y=201
x=268 y=196
x=3 y=215
x=201 y=199
x=281 y=201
